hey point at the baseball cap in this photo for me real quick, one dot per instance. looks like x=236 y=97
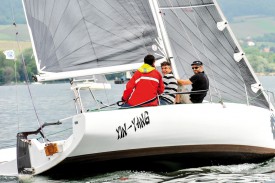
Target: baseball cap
x=197 y=63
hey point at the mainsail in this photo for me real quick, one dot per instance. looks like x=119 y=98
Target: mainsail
x=193 y=34
x=71 y=35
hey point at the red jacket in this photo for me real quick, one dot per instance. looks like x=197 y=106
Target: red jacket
x=145 y=84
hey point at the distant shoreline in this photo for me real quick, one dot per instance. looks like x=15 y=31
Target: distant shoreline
x=265 y=74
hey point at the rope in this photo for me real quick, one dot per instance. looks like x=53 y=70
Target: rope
x=48 y=135
x=146 y=102
x=116 y=103
x=25 y=73
x=105 y=82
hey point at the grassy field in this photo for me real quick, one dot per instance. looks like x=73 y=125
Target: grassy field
x=252 y=26
x=8 y=32
x=12 y=45
x=8 y=38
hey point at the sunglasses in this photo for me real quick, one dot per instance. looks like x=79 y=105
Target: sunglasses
x=195 y=68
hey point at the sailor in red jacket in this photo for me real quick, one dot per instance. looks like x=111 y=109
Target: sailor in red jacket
x=145 y=85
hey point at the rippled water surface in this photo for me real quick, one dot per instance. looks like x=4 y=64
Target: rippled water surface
x=55 y=101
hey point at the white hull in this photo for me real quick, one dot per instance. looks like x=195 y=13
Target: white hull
x=162 y=130
x=177 y=125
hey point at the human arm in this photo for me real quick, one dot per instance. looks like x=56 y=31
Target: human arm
x=161 y=85
x=130 y=87
x=184 y=82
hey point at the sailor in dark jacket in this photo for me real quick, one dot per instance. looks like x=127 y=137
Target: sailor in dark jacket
x=199 y=81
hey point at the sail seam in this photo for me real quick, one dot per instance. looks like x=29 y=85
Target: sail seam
x=238 y=71
x=87 y=29
x=187 y=50
x=188 y=37
x=61 y=18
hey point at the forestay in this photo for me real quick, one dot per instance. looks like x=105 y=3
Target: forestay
x=192 y=30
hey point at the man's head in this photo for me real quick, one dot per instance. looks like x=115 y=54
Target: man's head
x=149 y=59
x=197 y=66
x=166 y=67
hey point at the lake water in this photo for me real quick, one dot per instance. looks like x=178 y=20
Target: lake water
x=54 y=101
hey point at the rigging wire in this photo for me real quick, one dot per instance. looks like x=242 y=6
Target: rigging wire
x=15 y=74
x=105 y=82
x=26 y=74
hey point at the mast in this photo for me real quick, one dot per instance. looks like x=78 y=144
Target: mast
x=163 y=34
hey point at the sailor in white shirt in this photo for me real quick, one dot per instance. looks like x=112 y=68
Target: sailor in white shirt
x=170 y=84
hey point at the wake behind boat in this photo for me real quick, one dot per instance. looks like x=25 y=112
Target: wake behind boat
x=235 y=122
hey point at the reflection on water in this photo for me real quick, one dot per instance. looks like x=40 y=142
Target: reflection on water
x=55 y=101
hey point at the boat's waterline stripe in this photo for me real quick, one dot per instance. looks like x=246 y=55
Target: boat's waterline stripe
x=146 y=78
x=233 y=151
x=185 y=7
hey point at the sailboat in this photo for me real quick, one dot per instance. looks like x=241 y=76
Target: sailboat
x=79 y=38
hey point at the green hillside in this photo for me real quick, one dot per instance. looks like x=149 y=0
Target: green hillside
x=231 y=9
x=237 y=8
x=252 y=26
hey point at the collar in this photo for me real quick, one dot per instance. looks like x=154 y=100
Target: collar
x=146 y=68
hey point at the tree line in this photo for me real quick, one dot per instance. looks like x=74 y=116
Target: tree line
x=9 y=75
x=261 y=62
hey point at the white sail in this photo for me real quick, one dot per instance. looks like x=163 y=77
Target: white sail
x=77 y=35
